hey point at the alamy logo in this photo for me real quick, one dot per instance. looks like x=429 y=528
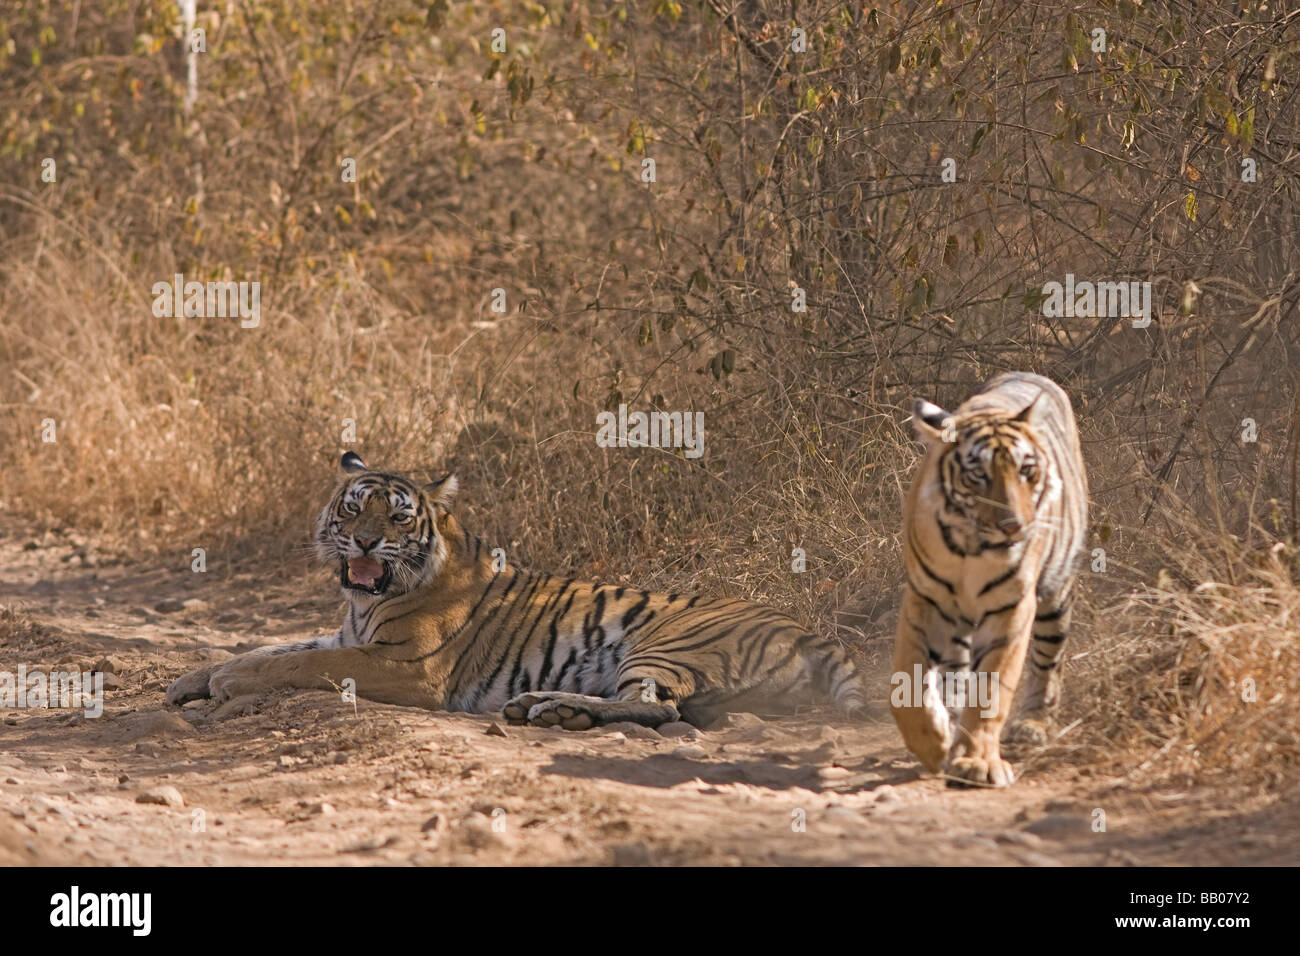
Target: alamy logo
x=1099 y=300
x=53 y=689
x=102 y=909
x=208 y=300
x=654 y=429
x=953 y=690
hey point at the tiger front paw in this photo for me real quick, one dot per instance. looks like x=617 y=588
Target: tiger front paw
x=980 y=772
x=196 y=685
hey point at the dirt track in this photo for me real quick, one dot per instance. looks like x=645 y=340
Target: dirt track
x=310 y=779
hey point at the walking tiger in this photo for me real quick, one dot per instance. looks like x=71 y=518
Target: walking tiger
x=993 y=526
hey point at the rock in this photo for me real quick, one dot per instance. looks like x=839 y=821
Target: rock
x=616 y=735
x=1058 y=826
x=110 y=665
x=631 y=854
x=833 y=773
x=690 y=752
x=112 y=681
x=169 y=606
x=737 y=722
x=679 y=728
x=494 y=730
x=633 y=731
x=887 y=794
x=166 y=796
x=438 y=823
x=321 y=809
x=157 y=723
x=214 y=654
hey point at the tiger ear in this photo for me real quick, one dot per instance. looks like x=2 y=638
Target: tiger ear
x=1024 y=413
x=928 y=421
x=352 y=463
x=443 y=490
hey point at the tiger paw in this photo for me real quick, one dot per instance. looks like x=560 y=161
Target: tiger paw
x=237 y=678
x=581 y=711
x=980 y=772
x=192 y=686
x=1029 y=730
x=570 y=711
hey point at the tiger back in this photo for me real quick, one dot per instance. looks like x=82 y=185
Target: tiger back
x=437 y=619
x=993 y=526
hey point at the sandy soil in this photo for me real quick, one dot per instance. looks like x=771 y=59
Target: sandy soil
x=311 y=779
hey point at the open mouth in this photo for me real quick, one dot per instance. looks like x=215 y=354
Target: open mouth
x=366 y=574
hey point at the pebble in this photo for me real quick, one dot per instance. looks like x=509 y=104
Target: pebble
x=690 y=752
x=438 y=823
x=634 y=731
x=679 y=728
x=110 y=665
x=166 y=796
x=495 y=730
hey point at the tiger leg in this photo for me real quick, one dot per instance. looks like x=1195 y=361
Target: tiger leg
x=1000 y=643
x=923 y=723
x=1043 y=680
x=646 y=694
x=195 y=684
x=377 y=677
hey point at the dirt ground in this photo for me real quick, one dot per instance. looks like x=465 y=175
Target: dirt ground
x=311 y=779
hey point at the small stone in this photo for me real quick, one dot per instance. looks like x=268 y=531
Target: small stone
x=887 y=794
x=833 y=773
x=679 y=728
x=843 y=816
x=112 y=681
x=738 y=722
x=633 y=731
x=110 y=665
x=123 y=778
x=616 y=735
x=321 y=808
x=690 y=752
x=169 y=606
x=438 y=823
x=495 y=730
x=166 y=796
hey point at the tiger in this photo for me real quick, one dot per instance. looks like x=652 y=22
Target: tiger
x=435 y=619
x=993 y=527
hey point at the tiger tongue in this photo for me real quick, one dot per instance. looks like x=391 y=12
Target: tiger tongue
x=364 y=571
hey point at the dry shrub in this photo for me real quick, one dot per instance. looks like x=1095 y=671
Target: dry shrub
x=1198 y=682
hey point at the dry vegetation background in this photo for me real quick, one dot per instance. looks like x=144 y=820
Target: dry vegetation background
x=775 y=169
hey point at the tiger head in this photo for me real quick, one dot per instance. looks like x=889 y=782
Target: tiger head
x=382 y=529
x=991 y=468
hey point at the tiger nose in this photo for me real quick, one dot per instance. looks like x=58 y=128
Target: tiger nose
x=365 y=544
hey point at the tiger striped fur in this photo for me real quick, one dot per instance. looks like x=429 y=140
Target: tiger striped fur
x=993 y=527
x=434 y=620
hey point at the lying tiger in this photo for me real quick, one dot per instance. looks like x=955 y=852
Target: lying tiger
x=993 y=526
x=434 y=620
